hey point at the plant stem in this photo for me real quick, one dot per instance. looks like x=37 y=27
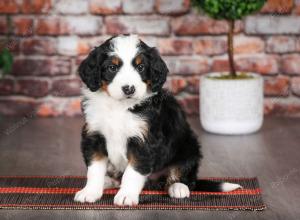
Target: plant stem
x=230 y=48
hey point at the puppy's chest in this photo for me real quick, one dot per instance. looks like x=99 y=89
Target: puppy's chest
x=113 y=120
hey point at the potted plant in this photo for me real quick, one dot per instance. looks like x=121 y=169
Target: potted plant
x=231 y=102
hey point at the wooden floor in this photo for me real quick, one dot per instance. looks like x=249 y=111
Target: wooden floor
x=51 y=147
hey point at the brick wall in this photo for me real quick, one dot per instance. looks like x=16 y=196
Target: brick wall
x=49 y=38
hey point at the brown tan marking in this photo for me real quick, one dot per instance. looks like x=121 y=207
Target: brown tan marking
x=138 y=60
x=131 y=159
x=173 y=176
x=97 y=156
x=104 y=87
x=115 y=60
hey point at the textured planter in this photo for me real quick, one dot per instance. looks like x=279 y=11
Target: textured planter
x=231 y=106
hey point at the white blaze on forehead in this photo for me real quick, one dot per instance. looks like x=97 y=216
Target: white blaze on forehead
x=125 y=47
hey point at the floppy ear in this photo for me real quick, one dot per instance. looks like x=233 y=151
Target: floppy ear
x=90 y=69
x=158 y=70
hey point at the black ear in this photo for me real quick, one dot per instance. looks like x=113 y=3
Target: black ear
x=158 y=70
x=90 y=69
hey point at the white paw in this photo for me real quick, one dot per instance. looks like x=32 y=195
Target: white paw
x=123 y=198
x=88 y=195
x=179 y=190
x=227 y=187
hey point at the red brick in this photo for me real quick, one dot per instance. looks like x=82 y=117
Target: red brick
x=38 y=46
x=220 y=64
x=248 y=45
x=138 y=7
x=218 y=45
x=169 y=46
x=277 y=86
x=296 y=85
x=23 y=26
x=138 y=25
x=195 y=25
x=297 y=7
x=41 y=67
x=105 y=7
x=50 y=26
x=36 y=6
x=59 y=106
x=286 y=107
x=9 y=6
x=281 y=44
x=82 y=25
x=172 y=6
x=17 y=106
x=66 y=87
x=278 y=6
x=12 y=44
x=32 y=87
x=210 y=45
x=187 y=65
x=186 y=84
x=297 y=44
x=291 y=64
x=3 y=25
x=264 y=64
x=6 y=86
x=83 y=47
x=190 y=104
x=177 y=85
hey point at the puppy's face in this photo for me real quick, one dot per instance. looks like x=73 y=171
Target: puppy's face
x=125 y=68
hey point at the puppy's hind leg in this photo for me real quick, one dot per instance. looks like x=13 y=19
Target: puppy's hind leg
x=180 y=181
x=183 y=174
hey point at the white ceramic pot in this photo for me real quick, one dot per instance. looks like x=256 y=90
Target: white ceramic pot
x=231 y=106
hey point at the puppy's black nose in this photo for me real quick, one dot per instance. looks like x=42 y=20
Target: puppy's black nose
x=128 y=90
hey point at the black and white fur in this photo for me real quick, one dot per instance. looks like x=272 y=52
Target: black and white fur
x=135 y=130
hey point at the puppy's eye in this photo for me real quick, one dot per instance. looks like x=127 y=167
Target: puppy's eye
x=140 y=67
x=112 y=68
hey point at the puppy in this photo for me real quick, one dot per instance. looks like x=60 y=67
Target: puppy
x=134 y=129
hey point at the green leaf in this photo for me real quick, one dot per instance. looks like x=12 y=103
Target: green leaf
x=6 y=60
x=228 y=9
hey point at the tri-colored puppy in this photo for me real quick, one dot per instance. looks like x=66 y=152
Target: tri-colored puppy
x=134 y=129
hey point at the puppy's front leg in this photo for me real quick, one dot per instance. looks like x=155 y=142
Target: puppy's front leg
x=131 y=187
x=95 y=182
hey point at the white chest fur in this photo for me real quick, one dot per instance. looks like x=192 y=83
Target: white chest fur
x=112 y=119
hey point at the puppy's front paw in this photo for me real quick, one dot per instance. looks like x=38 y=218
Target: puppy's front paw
x=179 y=190
x=88 y=195
x=124 y=198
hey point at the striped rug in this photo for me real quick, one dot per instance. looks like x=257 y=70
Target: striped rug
x=57 y=192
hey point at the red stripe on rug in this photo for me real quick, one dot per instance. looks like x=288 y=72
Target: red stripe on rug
x=132 y=207
x=33 y=190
